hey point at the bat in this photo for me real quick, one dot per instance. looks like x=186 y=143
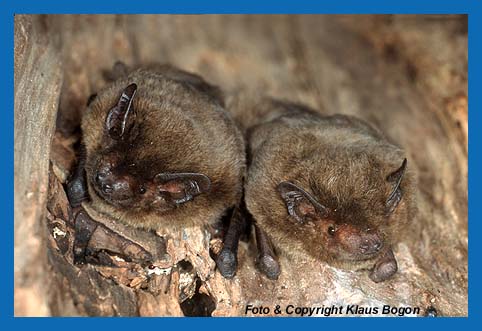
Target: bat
x=329 y=187
x=160 y=151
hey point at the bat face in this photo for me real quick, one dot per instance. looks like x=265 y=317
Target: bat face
x=122 y=181
x=339 y=234
x=331 y=222
x=113 y=182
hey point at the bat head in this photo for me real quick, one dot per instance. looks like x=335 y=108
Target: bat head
x=123 y=180
x=341 y=222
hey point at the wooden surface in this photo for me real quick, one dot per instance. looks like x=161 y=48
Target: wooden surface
x=38 y=80
x=405 y=74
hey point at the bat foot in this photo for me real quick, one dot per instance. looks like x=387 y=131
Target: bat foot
x=227 y=263
x=269 y=266
x=385 y=268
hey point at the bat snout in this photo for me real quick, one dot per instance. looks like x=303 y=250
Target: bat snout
x=117 y=188
x=371 y=244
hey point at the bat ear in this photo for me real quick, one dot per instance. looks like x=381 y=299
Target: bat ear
x=182 y=187
x=121 y=117
x=395 y=178
x=299 y=203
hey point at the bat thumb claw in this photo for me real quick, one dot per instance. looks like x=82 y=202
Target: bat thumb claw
x=227 y=263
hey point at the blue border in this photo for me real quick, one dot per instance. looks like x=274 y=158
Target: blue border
x=8 y=8
x=247 y=6
x=7 y=137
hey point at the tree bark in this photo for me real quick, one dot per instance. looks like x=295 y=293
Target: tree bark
x=405 y=74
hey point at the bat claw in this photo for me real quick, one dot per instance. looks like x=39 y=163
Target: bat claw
x=384 y=269
x=227 y=263
x=269 y=266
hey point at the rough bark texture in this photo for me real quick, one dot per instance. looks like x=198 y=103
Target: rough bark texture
x=38 y=80
x=405 y=74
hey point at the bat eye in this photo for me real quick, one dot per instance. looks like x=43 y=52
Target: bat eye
x=142 y=190
x=331 y=230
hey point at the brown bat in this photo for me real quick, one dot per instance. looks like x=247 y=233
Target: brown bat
x=160 y=151
x=330 y=187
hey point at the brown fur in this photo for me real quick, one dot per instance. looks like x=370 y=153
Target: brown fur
x=180 y=126
x=341 y=161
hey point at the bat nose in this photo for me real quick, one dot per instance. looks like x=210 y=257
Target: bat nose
x=371 y=246
x=106 y=188
x=104 y=182
x=115 y=186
